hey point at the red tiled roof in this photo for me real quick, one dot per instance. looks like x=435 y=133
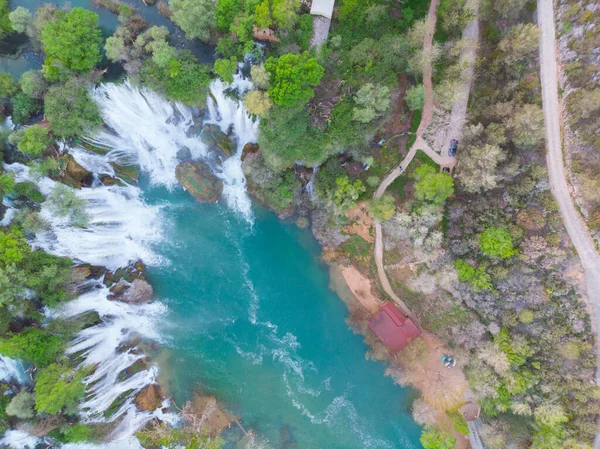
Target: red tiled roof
x=394 y=329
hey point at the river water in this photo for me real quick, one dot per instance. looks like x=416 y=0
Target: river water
x=242 y=303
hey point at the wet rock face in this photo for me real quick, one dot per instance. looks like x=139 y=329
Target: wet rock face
x=139 y=292
x=217 y=140
x=149 y=398
x=197 y=178
x=74 y=175
x=249 y=148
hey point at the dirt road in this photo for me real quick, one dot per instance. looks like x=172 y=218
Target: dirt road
x=574 y=224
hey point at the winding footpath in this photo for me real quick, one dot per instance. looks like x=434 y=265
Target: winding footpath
x=574 y=224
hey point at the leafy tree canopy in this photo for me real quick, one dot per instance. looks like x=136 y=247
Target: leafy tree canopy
x=8 y=85
x=432 y=438
x=5 y=26
x=20 y=18
x=69 y=109
x=196 y=17
x=33 y=345
x=74 y=39
x=59 y=388
x=226 y=68
x=34 y=141
x=432 y=185
x=291 y=77
x=497 y=242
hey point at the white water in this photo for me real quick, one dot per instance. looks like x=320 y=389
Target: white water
x=19 y=439
x=11 y=370
x=147 y=130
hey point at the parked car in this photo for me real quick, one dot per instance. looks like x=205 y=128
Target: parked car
x=453 y=147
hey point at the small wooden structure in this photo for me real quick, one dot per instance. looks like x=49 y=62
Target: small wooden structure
x=393 y=328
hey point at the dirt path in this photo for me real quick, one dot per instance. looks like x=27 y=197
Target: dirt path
x=468 y=56
x=574 y=224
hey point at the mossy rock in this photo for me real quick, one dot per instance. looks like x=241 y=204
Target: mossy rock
x=128 y=173
x=73 y=174
x=86 y=319
x=199 y=181
x=149 y=398
x=110 y=181
x=217 y=140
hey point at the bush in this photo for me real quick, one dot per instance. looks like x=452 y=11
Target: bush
x=24 y=107
x=8 y=85
x=346 y=194
x=22 y=405
x=33 y=345
x=30 y=191
x=74 y=39
x=226 y=68
x=477 y=278
x=415 y=97
x=382 y=208
x=69 y=109
x=372 y=101
x=497 y=242
x=183 y=79
x=7 y=183
x=432 y=438
x=458 y=422
x=34 y=141
x=5 y=26
x=64 y=202
x=59 y=388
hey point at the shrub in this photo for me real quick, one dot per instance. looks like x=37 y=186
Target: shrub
x=458 y=422
x=372 y=101
x=33 y=84
x=24 y=107
x=64 y=202
x=497 y=242
x=33 y=345
x=383 y=208
x=346 y=194
x=29 y=190
x=34 y=141
x=477 y=278
x=5 y=26
x=69 y=109
x=21 y=406
x=57 y=388
x=8 y=85
x=7 y=183
x=226 y=68
x=432 y=438
x=415 y=97
x=13 y=247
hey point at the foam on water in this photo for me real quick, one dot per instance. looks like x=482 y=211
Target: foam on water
x=11 y=370
x=19 y=439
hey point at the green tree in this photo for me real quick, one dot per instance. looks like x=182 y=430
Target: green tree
x=183 y=79
x=33 y=84
x=74 y=39
x=383 y=208
x=64 y=202
x=24 y=107
x=196 y=17
x=5 y=26
x=415 y=97
x=346 y=194
x=8 y=85
x=22 y=405
x=20 y=19
x=34 y=346
x=226 y=11
x=476 y=277
x=497 y=242
x=69 y=109
x=291 y=77
x=226 y=68
x=432 y=185
x=12 y=287
x=372 y=101
x=479 y=167
x=59 y=389
x=13 y=247
x=34 y=141
x=7 y=183
x=527 y=126
x=432 y=438
x=260 y=76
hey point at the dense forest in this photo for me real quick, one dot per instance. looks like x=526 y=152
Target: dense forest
x=496 y=277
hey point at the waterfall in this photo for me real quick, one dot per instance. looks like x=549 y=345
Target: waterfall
x=11 y=370
x=147 y=130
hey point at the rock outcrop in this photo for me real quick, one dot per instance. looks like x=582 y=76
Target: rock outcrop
x=217 y=140
x=197 y=178
x=149 y=398
x=249 y=148
x=139 y=292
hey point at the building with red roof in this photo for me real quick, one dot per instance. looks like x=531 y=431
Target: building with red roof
x=393 y=328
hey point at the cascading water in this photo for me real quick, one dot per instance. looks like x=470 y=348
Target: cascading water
x=146 y=130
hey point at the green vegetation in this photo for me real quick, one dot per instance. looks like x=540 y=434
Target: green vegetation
x=196 y=17
x=383 y=208
x=477 y=278
x=8 y=85
x=497 y=242
x=34 y=141
x=69 y=109
x=33 y=345
x=432 y=438
x=5 y=26
x=432 y=185
x=160 y=435
x=226 y=68
x=73 y=39
x=58 y=388
x=291 y=77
